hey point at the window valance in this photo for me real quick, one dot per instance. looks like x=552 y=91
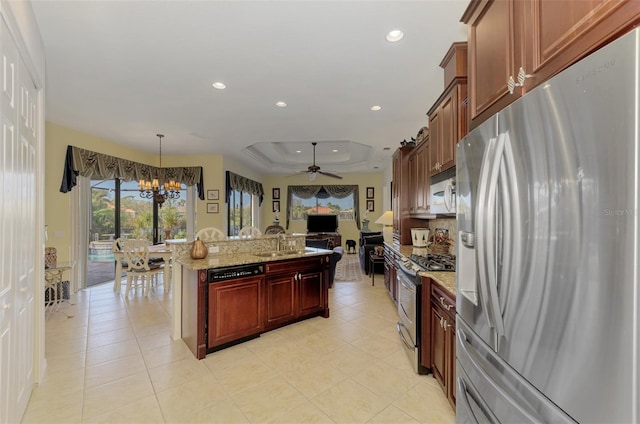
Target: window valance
x=98 y=165
x=337 y=191
x=244 y=184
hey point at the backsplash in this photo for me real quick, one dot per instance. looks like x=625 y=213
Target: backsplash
x=447 y=223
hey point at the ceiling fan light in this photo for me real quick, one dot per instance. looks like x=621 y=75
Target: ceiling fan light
x=312 y=176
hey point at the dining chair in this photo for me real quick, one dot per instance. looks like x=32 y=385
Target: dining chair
x=274 y=229
x=210 y=234
x=249 y=231
x=137 y=254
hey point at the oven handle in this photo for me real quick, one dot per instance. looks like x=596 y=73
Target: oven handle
x=404 y=340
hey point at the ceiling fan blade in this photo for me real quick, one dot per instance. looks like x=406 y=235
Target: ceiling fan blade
x=329 y=174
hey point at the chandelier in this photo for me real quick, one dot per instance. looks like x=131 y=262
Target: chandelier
x=159 y=192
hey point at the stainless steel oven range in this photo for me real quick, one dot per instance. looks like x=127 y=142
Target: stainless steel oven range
x=409 y=312
x=410 y=301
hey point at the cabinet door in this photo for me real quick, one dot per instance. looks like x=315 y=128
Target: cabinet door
x=495 y=54
x=451 y=361
x=413 y=181
x=438 y=345
x=435 y=135
x=280 y=293
x=310 y=293
x=422 y=177
x=449 y=131
x=235 y=310
x=559 y=33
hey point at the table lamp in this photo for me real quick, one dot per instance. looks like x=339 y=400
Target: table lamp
x=386 y=220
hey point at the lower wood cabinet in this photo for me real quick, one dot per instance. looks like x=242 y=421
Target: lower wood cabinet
x=236 y=310
x=443 y=340
x=391 y=272
x=216 y=315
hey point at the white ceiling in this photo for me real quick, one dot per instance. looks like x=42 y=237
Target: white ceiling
x=127 y=70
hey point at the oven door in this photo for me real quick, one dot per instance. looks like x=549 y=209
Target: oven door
x=408 y=316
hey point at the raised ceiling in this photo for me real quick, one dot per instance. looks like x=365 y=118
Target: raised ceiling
x=127 y=70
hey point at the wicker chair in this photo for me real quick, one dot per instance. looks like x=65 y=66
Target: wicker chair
x=137 y=254
x=210 y=234
x=249 y=231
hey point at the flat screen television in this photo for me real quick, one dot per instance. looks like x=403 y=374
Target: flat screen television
x=322 y=223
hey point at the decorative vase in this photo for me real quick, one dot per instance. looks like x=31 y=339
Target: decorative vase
x=198 y=250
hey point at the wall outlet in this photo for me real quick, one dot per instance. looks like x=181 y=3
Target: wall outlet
x=214 y=249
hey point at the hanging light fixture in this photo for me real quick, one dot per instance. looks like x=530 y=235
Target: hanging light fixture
x=159 y=192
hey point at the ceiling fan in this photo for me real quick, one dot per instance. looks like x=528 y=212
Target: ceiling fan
x=314 y=169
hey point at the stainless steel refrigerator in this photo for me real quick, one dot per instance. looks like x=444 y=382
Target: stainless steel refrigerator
x=548 y=299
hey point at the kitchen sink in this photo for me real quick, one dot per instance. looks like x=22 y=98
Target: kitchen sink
x=272 y=254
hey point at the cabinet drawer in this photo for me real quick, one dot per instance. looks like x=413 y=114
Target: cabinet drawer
x=443 y=298
x=295 y=265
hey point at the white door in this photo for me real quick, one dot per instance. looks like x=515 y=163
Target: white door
x=18 y=248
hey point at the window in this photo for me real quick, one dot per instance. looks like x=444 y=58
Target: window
x=240 y=211
x=136 y=217
x=322 y=203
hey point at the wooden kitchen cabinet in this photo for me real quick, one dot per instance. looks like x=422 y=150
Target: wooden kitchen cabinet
x=391 y=258
x=443 y=340
x=446 y=126
x=236 y=310
x=419 y=179
x=401 y=197
x=541 y=37
x=295 y=289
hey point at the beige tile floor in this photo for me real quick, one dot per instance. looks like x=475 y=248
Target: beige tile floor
x=114 y=361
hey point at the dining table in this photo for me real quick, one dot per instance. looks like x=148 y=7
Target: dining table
x=156 y=251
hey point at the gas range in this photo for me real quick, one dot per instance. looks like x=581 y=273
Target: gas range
x=434 y=262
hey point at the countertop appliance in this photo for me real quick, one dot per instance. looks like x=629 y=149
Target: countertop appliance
x=434 y=262
x=443 y=197
x=548 y=300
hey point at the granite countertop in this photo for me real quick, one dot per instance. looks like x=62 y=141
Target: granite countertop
x=224 y=260
x=446 y=279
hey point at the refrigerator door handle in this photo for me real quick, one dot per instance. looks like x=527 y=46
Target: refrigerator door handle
x=463 y=343
x=480 y=218
x=487 y=241
x=464 y=392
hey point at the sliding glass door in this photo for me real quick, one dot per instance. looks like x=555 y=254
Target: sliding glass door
x=118 y=211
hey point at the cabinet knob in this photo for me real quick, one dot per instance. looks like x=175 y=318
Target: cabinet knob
x=522 y=76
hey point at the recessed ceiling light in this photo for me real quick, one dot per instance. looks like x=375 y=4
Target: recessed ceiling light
x=335 y=150
x=298 y=151
x=395 y=35
x=376 y=108
x=281 y=104
x=219 y=85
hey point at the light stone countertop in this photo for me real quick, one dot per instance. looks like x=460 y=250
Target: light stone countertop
x=446 y=279
x=224 y=260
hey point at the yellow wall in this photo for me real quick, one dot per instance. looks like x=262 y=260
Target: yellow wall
x=348 y=230
x=58 y=205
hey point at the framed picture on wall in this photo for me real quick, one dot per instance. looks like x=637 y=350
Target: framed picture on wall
x=370 y=207
x=276 y=206
x=275 y=193
x=370 y=193
x=212 y=208
x=213 y=195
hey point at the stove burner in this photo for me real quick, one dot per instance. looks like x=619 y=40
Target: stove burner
x=434 y=262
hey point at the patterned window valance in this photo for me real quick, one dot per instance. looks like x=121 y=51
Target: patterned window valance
x=244 y=184
x=98 y=165
x=325 y=191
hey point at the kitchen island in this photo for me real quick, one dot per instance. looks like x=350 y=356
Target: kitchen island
x=232 y=297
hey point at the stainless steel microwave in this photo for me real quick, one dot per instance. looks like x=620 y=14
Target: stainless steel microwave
x=443 y=197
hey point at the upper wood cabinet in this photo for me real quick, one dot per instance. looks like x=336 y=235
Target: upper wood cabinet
x=402 y=197
x=419 y=179
x=528 y=41
x=447 y=126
